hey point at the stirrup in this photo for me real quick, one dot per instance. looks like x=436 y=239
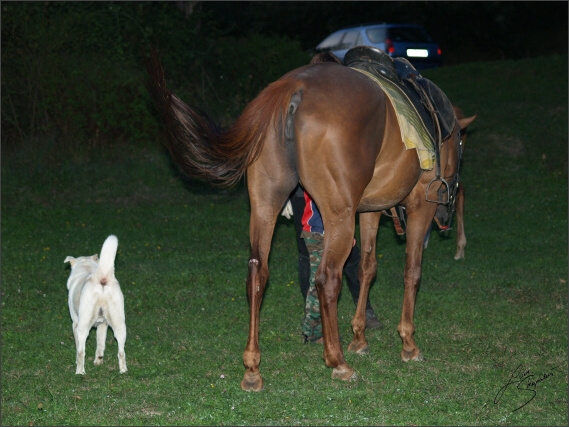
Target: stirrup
x=439 y=199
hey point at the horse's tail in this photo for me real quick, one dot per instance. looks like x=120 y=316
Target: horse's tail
x=205 y=152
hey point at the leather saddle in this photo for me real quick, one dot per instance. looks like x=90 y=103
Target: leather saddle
x=429 y=101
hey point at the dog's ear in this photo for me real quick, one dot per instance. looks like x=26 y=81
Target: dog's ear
x=71 y=260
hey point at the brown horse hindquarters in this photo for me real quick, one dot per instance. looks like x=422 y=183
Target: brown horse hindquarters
x=342 y=131
x=322 y=133
x=331 y=125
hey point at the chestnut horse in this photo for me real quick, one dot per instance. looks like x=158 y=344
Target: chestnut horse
x=334 y=131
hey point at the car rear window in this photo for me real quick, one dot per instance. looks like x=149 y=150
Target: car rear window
x=376 y=35
x=409 y=34
x=351 y=39
x=331 y=41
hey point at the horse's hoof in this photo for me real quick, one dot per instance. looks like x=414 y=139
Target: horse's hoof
x=415 y=355
x=252 y=382
x=459 y=254
x=358 y=348
x=344 y=374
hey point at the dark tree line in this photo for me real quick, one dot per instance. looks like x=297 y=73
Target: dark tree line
x=73 y=74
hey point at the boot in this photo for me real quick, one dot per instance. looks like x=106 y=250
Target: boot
x=372 y=322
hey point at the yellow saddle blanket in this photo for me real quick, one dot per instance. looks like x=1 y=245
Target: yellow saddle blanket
x=413 y=131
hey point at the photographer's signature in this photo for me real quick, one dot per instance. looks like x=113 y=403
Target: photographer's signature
x=525 y=382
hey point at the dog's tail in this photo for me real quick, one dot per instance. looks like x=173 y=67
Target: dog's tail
x=106 y=268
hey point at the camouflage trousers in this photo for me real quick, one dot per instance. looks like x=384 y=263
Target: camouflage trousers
x=311 y=323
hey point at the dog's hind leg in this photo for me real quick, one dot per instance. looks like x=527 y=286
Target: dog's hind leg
x=120 y=335
x=80 y=338
x=101 y=337
x=116 y=321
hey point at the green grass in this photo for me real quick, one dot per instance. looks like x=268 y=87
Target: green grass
x=182 y=265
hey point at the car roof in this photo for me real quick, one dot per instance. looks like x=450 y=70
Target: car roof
x=377 y=24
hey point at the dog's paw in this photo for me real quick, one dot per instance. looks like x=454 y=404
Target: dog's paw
x=122 y=363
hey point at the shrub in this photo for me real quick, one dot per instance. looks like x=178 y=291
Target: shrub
x=73 y=73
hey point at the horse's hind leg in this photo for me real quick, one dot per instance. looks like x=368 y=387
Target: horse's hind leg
x=369 y=223
x=269 y=188
x=261 y=233
x=256 y=282
x=328 y=281
x=460 y=236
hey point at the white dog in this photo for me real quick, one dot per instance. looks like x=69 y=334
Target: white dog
x=95 y=299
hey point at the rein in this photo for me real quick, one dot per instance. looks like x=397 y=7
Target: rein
x=452 y=190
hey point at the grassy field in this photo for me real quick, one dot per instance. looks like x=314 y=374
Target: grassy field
x=493 y=327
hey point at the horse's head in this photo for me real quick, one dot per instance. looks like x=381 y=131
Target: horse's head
x=445 y=212
x=457 y=141
x=463 y=123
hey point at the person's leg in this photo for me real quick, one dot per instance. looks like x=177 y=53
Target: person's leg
x=311 y=324
x=304 y=274
x=351 y=273
x=298 y=203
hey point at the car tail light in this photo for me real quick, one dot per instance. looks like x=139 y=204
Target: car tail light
x=389 y=46
x=439 y=51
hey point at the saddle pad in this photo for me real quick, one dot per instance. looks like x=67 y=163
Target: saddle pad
x=414 y=133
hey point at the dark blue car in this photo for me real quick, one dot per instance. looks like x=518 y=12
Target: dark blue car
x=398 y=40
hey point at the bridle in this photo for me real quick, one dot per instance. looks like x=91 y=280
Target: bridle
x=450 y=190
x=448 y=201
